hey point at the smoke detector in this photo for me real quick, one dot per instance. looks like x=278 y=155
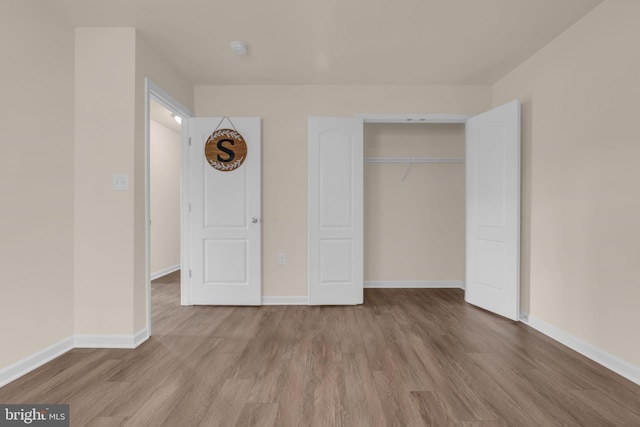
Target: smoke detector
x=240 y=48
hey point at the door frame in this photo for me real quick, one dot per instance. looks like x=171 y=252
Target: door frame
x=154 y=92
x=415 y=118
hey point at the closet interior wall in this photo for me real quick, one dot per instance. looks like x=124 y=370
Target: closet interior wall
x=414 y=209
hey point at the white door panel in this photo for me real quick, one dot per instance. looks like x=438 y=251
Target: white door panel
x=225 y=244
x=493 y=210
x=233 y=212
x=336 y=253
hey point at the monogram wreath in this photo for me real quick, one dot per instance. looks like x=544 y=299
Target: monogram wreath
x=214 y=145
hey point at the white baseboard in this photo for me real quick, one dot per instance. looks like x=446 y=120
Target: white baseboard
x=29 y=363
x=111 y=341
x=141 y=336
x=39 y=358
x=267 y=300
x=165 y=271
x=409 y=284
x=608 y=360
x=434 y=284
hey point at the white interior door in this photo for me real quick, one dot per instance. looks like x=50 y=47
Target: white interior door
x=224 y=217
x=493 y=210
x=336 y=252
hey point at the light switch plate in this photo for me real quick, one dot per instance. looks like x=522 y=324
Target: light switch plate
x=120 y=182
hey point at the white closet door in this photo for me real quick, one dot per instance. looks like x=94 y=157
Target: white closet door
x=493 y=210
x=336 y=252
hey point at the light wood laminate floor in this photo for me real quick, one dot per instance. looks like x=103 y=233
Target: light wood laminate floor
x=414 y=357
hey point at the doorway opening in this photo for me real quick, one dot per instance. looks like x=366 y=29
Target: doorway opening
x=164 y=147
x=414 y=205
x=164 y=198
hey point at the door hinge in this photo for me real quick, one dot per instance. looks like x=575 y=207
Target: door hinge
x=189 y=141
x=189 y=207
x=189 y=273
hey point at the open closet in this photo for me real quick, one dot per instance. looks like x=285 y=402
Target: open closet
x=491 y=207
x=414 y=205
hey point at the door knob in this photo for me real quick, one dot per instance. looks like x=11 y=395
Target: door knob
x=254 y=220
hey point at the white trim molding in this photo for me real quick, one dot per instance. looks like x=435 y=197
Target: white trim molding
x=413 y=284
x=39 y=358
x=608 y=360
x=165 y=271
x=111 y=341
x=35 y=360
x=286 y=300
x=156 y=93
x=414 y=118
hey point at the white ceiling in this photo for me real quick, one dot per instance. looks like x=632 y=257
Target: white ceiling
x=338 y=41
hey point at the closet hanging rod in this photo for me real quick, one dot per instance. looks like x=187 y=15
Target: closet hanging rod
x=414 y=160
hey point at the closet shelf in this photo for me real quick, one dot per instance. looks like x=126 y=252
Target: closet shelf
x=414 y=160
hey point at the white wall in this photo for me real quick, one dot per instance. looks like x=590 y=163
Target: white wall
x=581 y=238
x=284 y=111
x=72 y=251
x=104 y=134
x=110 y=226
x=414 y=221
x=165 y=197
x=36 y=179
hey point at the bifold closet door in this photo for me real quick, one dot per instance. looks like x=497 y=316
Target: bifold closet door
x=493 y=210
x=336 y=251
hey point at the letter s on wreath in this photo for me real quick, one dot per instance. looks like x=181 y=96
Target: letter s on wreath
x=225 y=150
